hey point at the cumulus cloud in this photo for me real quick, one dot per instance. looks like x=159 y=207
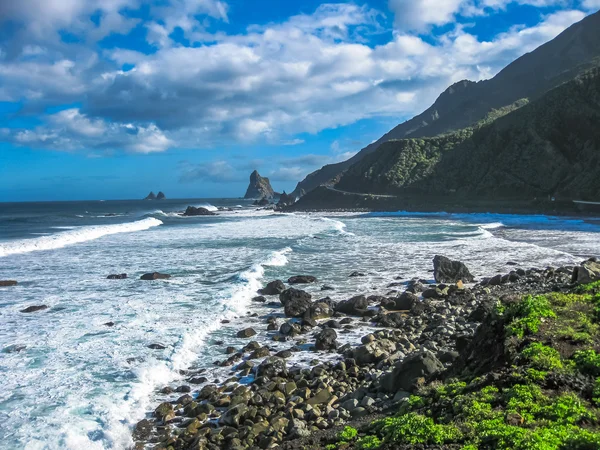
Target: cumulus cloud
x=270 y=84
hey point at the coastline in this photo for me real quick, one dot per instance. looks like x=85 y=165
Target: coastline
x=323 y=199
x=269 y=403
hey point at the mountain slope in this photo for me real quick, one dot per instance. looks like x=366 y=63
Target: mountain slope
x=464 y=103
x=549 y=147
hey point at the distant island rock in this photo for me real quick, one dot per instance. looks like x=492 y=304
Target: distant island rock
x=152 y=196
x=193 y=211
x=260 y=187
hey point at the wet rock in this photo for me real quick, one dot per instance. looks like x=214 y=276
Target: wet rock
x=406 y=301
x=31 y=309
x=284 y=354
x=164 y=412
x=157 y=346
x=326 y=340
x=193 y=211
x=109 y=324
x=356 y=274
x=272 y=367
x=327 y=288
x=448 y=271
x=8 y=283
x=412 y=369
x=246 y=333
x=121 y=276
x=302 y=279
x=142 y=430
x=15 y=348
x=290 y=329
x=495 y=281
x=273 y=288
x=320 y=310
x=155 y=276
x=259 y=299
x=295 y=302
x=354 y=306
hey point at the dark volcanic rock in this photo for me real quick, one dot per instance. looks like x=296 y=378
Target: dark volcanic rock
x=193 y=211
x=121 y=276
x=354 y=306
x=157 y=346
x=448 y=271
x=285 y=200
x=7 y=283
x=246 y=333
x=326 y=340
x=155 y=276
x=259 y=187
x=31 y=309
x=160 y=196
x=406 y=301
x=293 y=294
x=406 y=373
x=262 y=202
x=356 y=274
x=302 y=279
x=273 y=288
x=272 y=367
x=151 y=196
x=588 y=272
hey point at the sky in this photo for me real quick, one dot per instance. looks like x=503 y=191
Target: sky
x=110 y=99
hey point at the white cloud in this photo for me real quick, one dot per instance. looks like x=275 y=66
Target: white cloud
x=309 y=73
x=416 y=15
x=591 y=5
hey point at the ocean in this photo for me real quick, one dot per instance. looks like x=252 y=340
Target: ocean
x=71 y=382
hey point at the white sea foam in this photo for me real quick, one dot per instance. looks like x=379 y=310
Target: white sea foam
x=74 y=236
x=207 y=206
x=338 y=225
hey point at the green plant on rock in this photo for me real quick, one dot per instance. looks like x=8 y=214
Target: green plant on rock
x=542 y=357
x=588 y=362
x=526 y=316
x=347 y=434
x=591 y=288
x=413 y=428
x=596 y=392
x=368 y=443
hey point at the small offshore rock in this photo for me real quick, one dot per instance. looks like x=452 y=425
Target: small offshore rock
x=8 y=283
x=302 y=279
x=273 y=288
x=121 y=276
x=157 y=347
x=155 y=276
x=31 y=309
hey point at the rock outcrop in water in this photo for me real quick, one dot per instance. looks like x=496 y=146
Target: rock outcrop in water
x=193 y=211
x=160 y=196
x=448 y=271
x=8 y=283
x=152 y=196
x=259 y=187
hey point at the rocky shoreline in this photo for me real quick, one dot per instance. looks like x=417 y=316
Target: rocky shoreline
x=407 y=338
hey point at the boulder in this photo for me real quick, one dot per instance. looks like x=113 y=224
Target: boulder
x=354 y=306
x=414 y=368
x=302 y=279
x=320 y=310
x=157 y=347
x=246 y=333
x=259 y=299
x=8 y=283
x=293 y=294
x=193 y=211
x=448 y=271
x=272 y=367
x=290 y=329
x=295 y=302
x=588 y=272
x=373 y=352
x=121 y=276
x=326 y=340
x=273 y=288
x=31 y=309
x=406 y=301
x=357 y=274
x=155 y=276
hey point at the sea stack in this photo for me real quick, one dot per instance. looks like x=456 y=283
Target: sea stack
x=151 y=196
x=160 y=196
x=259 y=187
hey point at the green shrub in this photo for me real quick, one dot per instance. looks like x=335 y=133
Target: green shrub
x=414 y=428
x=368 y=443
x=542 y=357
x=527 y=315
x=588 y=362
x=347 y=434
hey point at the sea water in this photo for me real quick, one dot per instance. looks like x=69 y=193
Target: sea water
x=77 y=383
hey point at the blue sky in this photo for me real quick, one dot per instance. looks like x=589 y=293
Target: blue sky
x=109 y=99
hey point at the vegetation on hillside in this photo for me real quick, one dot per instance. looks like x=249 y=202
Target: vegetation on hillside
x=549 y=147
x=543 y=396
